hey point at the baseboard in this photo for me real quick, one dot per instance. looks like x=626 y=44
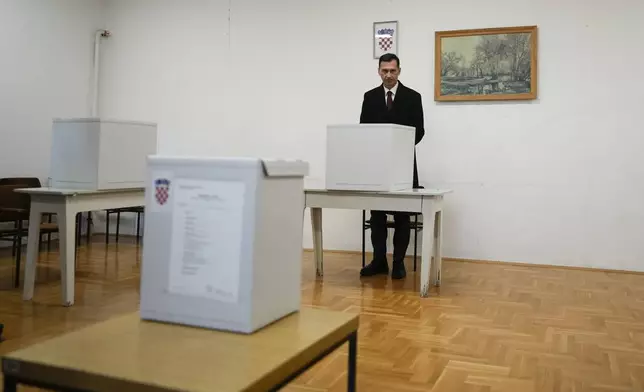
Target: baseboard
x=505 y=263
x=564 y=267
x=54 y=239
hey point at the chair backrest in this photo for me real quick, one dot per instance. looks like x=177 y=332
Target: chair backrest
x=17 y=204
x=27 y=182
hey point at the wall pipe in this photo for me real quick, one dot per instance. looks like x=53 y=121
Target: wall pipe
x=97 y=65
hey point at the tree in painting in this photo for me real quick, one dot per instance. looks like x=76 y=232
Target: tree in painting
x=486 y=64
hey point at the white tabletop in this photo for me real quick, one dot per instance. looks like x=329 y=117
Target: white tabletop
x=70 y=192
x=311 y=189
x=405 y=192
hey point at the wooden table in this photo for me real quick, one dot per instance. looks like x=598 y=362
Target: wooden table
x=127 y=354
x=429 y=202
x=66 y=203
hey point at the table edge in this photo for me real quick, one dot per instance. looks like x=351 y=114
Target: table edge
x=50 y=374
x=74 y=192
x=38 y=374
x=305 y=356
x=439 y=192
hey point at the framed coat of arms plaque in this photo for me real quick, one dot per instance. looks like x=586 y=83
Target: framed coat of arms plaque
x=385 y=38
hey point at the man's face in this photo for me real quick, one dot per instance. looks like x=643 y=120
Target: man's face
x=389 y=73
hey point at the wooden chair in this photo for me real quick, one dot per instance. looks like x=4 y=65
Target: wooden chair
x=6 y=234
x=118 y=211
x=15 y=207
x=32 y=182
x=48 y=227
x=12 y=209
x=416 y=225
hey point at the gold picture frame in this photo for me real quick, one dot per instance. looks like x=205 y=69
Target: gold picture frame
x=493 y=64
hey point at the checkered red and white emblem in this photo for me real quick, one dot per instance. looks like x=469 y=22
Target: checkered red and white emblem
x=162 y=190
x=385 y=43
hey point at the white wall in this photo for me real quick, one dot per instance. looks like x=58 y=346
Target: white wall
x=554 y=181
x=46 y=56
x=166 y=62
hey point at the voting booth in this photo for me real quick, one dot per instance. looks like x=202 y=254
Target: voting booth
x=223 y=241
x=100 y=154
x=370 y=157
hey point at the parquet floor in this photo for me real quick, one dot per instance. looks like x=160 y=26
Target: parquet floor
x=491 y=327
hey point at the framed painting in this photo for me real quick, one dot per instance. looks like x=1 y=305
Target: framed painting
x=486 y=64
x=385 y=38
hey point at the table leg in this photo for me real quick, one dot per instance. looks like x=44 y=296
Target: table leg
x=316 y=223
x=16 y=282
x=438 y=257
x=67 y=234
x=353 y=359
x=33 y=237
x=10 y=384
x=352 y=339
x=429 y=217
x=89 y=226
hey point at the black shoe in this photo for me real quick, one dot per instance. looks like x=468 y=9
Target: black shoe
x=398 y=270
x=375 y=268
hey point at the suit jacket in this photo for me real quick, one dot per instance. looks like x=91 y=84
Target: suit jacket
x=407 y=110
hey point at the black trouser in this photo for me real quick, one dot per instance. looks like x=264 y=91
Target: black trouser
x=379 y=234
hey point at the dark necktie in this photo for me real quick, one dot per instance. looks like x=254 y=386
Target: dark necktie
x=390 y=101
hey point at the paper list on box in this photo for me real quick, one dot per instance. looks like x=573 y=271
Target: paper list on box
x=206 y=239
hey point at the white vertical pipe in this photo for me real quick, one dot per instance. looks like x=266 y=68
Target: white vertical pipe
x=97 y=65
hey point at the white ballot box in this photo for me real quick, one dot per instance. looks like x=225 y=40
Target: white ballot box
x=223 y=241
x=98 y=154
x=370 y=157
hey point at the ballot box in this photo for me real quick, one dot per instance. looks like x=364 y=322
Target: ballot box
x=223 y=241
x=369 y=157
x=100 y=154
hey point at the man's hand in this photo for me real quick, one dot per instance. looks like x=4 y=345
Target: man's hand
x=363 y=111
x=419 y=119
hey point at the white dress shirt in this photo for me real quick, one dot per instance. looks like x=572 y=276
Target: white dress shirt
x=393 y=92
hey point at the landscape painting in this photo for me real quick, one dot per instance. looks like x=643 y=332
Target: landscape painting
x=486 y=64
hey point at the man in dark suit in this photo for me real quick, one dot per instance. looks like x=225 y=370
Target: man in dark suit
x=391 y=103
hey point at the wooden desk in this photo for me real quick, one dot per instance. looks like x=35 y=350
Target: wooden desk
x=66 y=203
x=127 y=354
x=429 y=202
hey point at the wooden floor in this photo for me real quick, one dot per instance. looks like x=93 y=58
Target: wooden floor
x=490 y=327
